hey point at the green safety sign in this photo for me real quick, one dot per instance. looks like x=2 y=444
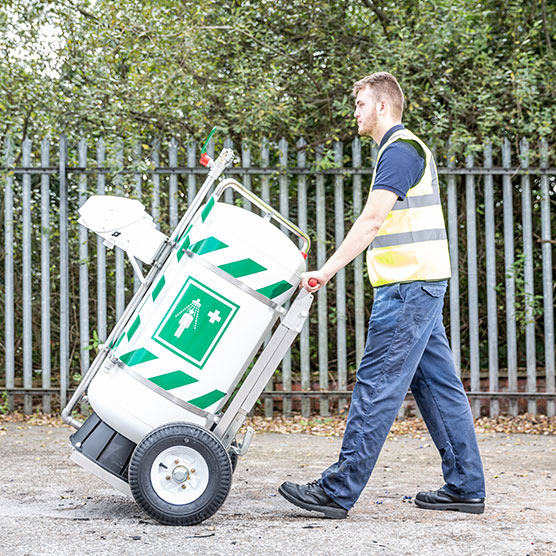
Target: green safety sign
x=195 y=322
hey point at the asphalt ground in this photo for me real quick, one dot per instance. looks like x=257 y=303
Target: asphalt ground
x=50 y=506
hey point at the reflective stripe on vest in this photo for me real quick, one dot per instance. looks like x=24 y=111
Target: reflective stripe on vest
x=411 y=243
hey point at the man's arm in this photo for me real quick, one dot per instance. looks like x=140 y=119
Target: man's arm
x=362 y=233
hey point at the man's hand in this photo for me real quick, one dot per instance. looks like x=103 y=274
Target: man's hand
x=314 y=281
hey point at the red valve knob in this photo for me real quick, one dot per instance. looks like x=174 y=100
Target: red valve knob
x=205 y=159
x=313 y=282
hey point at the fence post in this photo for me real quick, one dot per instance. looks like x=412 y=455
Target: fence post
x=305 y=360
x=265 y=194
x=529 y=290
x=155 y=202
x=101 y=251
x=265 y=180
x=492 y=312
x=455 y=337
x=45 y=277
x=229 y=192
x=9 y=271
x=547 y=287
x=27 y=277
x=191 y=180
x=511 y=342
x=473 y=301
x=322 y=301
x=341 y=343
x=83 y=266
x=64 y=273
x=246 y=163
x=210 y=152
x=284 y=210
x=118 y=252
x=173 y=185
x=138 y=194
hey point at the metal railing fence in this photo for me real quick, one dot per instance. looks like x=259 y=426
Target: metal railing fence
x=63 y=291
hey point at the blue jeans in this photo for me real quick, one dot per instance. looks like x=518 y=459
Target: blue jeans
x=407 y=347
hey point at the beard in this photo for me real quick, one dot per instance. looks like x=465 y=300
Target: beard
x=369 y=125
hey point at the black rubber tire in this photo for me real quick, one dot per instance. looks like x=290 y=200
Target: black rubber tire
x=208 y=447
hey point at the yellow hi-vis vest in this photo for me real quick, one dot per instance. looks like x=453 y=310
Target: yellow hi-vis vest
x=411 y=243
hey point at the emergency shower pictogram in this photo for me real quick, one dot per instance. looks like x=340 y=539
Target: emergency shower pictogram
x=190 y=315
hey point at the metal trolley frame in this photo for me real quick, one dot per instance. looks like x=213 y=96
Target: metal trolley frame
x=213 y=446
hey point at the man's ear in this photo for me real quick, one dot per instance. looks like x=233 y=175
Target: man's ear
x=382 y=107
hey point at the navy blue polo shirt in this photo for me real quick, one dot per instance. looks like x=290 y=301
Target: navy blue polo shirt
x=400 y=166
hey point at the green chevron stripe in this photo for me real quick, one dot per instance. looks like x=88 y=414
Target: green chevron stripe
x=274 y=290
x=185 y=243
x=202 y=402
x=133 y=327
x=207 y=209
x=175 y=379
x=241 y=268
x=116 y=344
x=207 y=245
x=137 y=356
x=186 y=232
x=158 y=288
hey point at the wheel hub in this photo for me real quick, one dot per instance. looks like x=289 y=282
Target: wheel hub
x=180 y=473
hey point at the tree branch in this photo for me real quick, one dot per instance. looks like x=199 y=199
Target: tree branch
x=380 y=14
x=82 y=11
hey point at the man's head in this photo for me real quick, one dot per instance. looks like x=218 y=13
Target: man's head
x=378 y=104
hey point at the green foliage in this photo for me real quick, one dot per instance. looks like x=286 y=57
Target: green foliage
x=274 y=67
x=94 y=342
x=4 y=407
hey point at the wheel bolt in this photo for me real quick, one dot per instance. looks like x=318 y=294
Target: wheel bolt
x=167 y=477
x=176 y=461
x=192 y=470
x=183 y=486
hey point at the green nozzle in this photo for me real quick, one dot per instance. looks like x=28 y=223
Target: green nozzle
x=203 y=150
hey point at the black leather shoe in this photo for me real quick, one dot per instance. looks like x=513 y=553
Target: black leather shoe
x=441 y=500
x=313 y=498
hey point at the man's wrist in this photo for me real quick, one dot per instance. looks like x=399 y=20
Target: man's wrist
x=328 y=274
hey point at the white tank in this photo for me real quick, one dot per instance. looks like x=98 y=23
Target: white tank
x=197 y=329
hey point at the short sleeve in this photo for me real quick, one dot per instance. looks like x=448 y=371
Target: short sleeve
x=400 y=167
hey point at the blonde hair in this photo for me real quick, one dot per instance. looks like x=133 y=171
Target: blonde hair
x=383 y=85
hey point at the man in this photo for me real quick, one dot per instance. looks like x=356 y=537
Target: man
x=408 y=263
